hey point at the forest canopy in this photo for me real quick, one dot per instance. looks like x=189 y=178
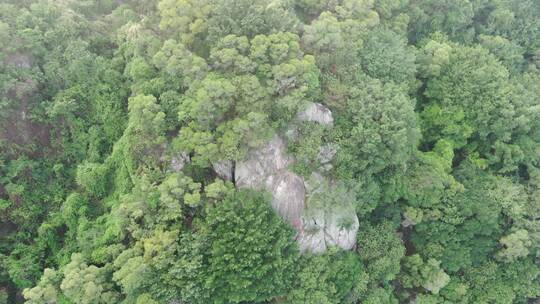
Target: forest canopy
x=283 y=151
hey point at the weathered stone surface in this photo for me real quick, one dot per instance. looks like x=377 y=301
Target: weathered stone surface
x=311 y=237
x=261 y=164
x=267 y=168
x=318 y=226
x=178 y=161
x=316 y=112
x=331 y=227
x=224 y=169
x=341 y=228
x=288 y=197
x=20 y=60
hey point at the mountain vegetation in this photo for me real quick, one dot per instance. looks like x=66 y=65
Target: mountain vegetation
x=282 y=151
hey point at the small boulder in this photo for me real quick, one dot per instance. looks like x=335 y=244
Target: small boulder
x=326 y=153
x=316 y=112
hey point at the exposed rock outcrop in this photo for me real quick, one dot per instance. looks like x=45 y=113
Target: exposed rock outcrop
x=224 y=169
x=262 y=164
x=321 y=229
x=319 y=224
x=316 y=112
x=179 y=161
x=339 y=227
x=266 y=168
x=330 y=218
x=20 y=60
x=289 y=195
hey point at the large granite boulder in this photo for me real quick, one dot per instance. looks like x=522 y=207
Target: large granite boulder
x=266 y=168
x=224 y=169
x=310 y=208
x=329 y=218
x=319 y=225
x=289 y=195
x=341 y=227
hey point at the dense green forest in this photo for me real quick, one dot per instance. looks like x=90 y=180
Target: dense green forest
x=269 y=151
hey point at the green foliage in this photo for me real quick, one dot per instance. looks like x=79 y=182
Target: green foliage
x=381 y=250
x=493 y=283
x=93 y=178
x=46 y=290
x=186 y=18
x=145 y=131
x=508 y=52
x=251 y=252
x=255 y=88
x=86 y=284
x=176 y=193
x=114 y=116
x=381 y=129
x=326 y=278
x=453 y=17
x=386 y=57
x=336 y=36
x=433 y=55
x=306 y=146
x=429 y=181
x=427 y=274
x=515 y=245
x=250 y=18
x=469 y=101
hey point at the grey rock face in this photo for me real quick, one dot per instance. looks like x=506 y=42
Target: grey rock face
x=19 y=60
x=266 y=168
x=329 y=219
x=323 y=229
x=318 y=228
x=179 y=161
x=261 y=164
x=312 y=237
x=330 y=228
x=326 y=153
x=224 y=169
x=288 y=197
x=316 y=112
x=341 y=228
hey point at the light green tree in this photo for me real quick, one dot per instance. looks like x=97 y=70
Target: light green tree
x=251 y=250
x=47 y=290
x=86 y=284
x=515 y=245
x=427 y=274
